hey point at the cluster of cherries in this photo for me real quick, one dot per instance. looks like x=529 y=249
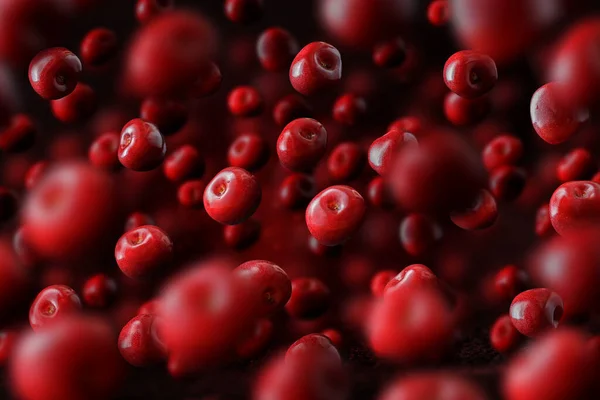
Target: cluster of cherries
x=240 y=217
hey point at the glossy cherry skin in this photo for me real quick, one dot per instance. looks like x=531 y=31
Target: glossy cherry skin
x=191 y=193
x=504 y=337
x=242 y=236
x=54 y=73
x=269 y=284
x=232 y=196
x=301 y=144
x=566 y=351
x=536 y=310
x=507 y=182
x=470 y=74
x=378 y=193
x=543 y=224
x=418 y=234
x=143 y=251
x=389 y=54
x=243 y=11
x=276 y=48
x=349 y=109
x=346 y=162
x=554 y=119
x=48 y=364
x=98 y=47
x=99 y=291
x=184 y=163
x=413 y=276
x=410 y=124
x=249 y=151
x=77 y=106
x=145 y=10
x=461 y=111
x=335 y=214
x=168 y=115
x=317 y=66
x=245 y=101
x=334 y=336
x=258 y=340
x=19 y=135
x=289 y=108
x=382 y=151
x=314 y=347
x=434 y=386
x=53 y=304
x=208 y=82
x=309 y=300
x=508 y=282
x=142 y=147
x=297 y=190
x=482 y=214
x=380 y=280
x=576 y=165
x=103 y=151
x=137 y=219
x=502 y=150
x=438 y=12
x=410 y=325
x=575 y=206
x=139 y=342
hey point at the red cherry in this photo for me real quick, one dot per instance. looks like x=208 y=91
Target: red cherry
x=438 y=12
x=143 y=251
x=482 y=214
x=54 y=73
x=260 y=337
x=183 y=164
x=34 y=174
x=418 y=234
x=137 y=219
x=389 y=54
x=19 y=136
x=349 y=109
x=461 y=111
x=380 y=280
x=508 y=282
x=103 y=151
x=169 y=116
x=191 y=193
x=470 y=74
x=245 y=101
x=576 y=165
x=383 y=150
x=77 y=106
x=314 y=347
x=309 y=300
x=248 y=151
x=52 y=304
x=507 y=182
x=267 y=282
x=142 y=147
x=301 y=144
x=503 y=335
x=276 y=48
x=436 y=385
x=543 y=224
x=297 y=190
x=502 y=150
x=378 y=193
x=99 y=291
x=139 y=342
x=346 y=162
x=317 y=66
x=242 y=236
x=536 y=310
x=575 y=206
x=335 y=214
x=98 y=47
x=145 y=10
x=243 y=11
x=208 y=81
x=289 y=108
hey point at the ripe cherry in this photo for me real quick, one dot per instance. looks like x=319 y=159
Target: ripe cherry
x=438 y=12
x=389 y=54
x=502 y=150
x=504 y=337
x=19 y=135
x=309 y=300
x=470 y=74
x=52 y=304
x=98 y=47
x=245 y=101
x=54 y=73
x=168 y=115
x=301 y=144
x=462 y=111
x=346 y=162
x=99 y=291
x=103 y=151
x=276 y=48
x=482 y=214
x=576 y=165
x=575 y=206
x=317 y=66
x=536 y=310
x=507 y=182
x=142 y=147
x=191 y=193
x=249 y=151
x=139 y=341
x=382 y=151
x=143 y=251
x=418 y=234
x=184 y=163
x=243 y=11
x=75 y=107
x=269 y=284
x=349 y=109
x=289 y=108
x=297 y=190
x=145 y=10
x=243 y=235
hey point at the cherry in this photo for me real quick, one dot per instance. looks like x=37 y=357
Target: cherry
x=575 y=206
x=470 y=74
x=504 y=337
x=438 y=12
x=346 y=162
x=289 y=108
x=137 y=219
x=418 y=234
x=378 y=193
x=145 y=10
x=335 y=214
x=409 y=124
x=8 y=341
x=168 y=115
x=317 y=66
x=52 y=304
x=268 y=283
x=142 y=147
x=536 y=310
x=349 y=109
x=389 y=54
x=98 y=47
x=508 y=282
x=482 y=214
x=383 y=150
x=576 y=165
x=242 y=236
x=415 y=276
x=103 y=151
x=543 y=224
x=99 y=291
x=248 y=151
x=245 y=101
x=502 y=150
x=139 y=342
x=232 y=196
x=77 y=106
x=19 y=136
x=243 y=11
x=184 y=163
x=507 y=182
x=276 y=48
x=314 y=347
x=461 y=111
x=297 y=190
x=309 y=300
x=54 y=73
x=143 y=251
x=432 y=385
x=301 y=144
x=191 y=193
x=380 y=280
x=259 y=339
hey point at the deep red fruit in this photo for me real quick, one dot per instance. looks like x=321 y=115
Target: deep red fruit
x=137 y=219
x=482 y=214
x=418 y=233
x=378 y=193
x=508 y=282
x=438 y=12
x=297 y=190
x=502 y=150
x=301 y=144
x=8 y=340
x=543 y=223
x=143 y=251
x=243 y=11
x=554 y=119
x=242 y=236
x=19 y=135
x=575 y=206
x=576 y=165
x=470 y=74
x=382 y=152
x=309 y=300
x=76 y=106
x=410 y=124
x=434 y=386
x=52 y=304
x=208 y=81
x=334 y=336
x=145 y=10
x=139 y=341
x=507 y=182
x=259 y=338
x=346 y=162
x=535 y=311
x=142 y=146
x=349 y=109
x=289 y=108
x=276 y=48
x=268 y=284
x=380 y=280
x=317 y=66
x=413 y=276
x=389 y=54
x=98 y=47
x=315 y=348
x=103 y=151
x=249 y=151
x=232 y=196
x=191 y=193
x=183 y=164
x=168 y=115
x=335 y=214
x=461 y=111
x=504 y=337
x=99 y=291
x=54 y=73
x=245 y=101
